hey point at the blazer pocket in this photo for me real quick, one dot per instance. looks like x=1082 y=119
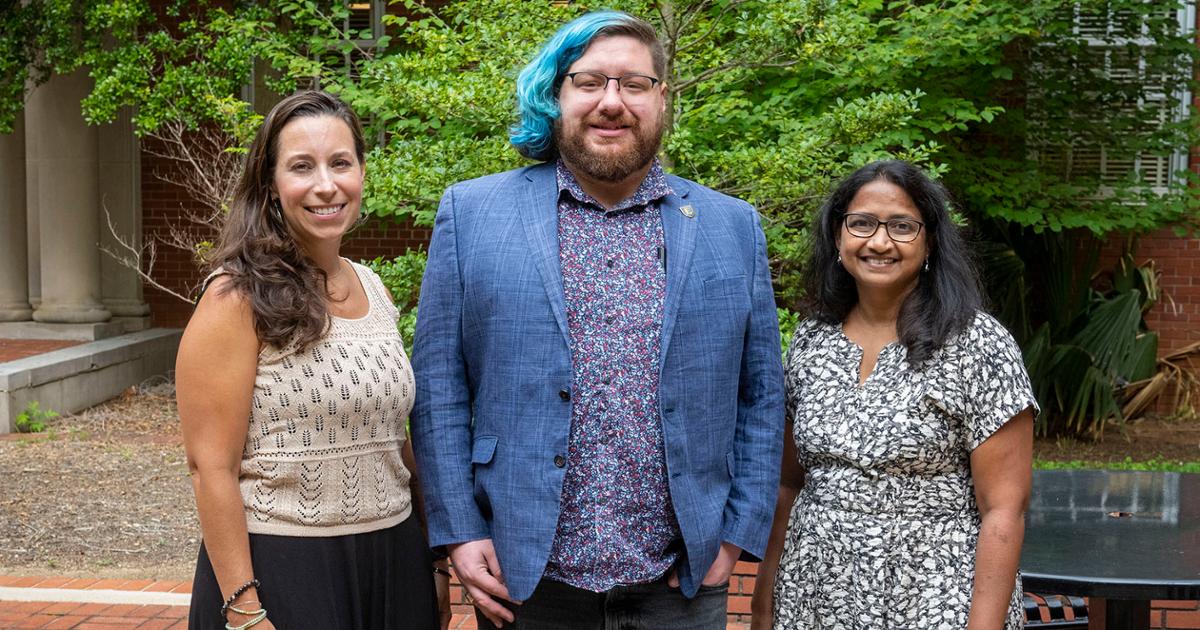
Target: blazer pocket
x=483 y=449
x=725 y=287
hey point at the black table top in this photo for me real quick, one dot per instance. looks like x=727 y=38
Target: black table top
x=1114 y=534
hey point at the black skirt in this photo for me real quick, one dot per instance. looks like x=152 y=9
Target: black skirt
x=380 y=580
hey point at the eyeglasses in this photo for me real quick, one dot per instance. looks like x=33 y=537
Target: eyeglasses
x=631 y=86
x=899 y=230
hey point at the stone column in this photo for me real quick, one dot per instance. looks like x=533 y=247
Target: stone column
x=14 y=255
x=32 y=220
x=121 y=217
x=68 y=193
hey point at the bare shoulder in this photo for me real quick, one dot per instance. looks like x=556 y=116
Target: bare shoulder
x=222 y=314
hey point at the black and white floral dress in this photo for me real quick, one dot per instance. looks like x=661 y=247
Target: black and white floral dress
x=882 y=537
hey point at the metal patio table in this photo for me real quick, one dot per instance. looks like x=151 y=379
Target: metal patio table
x=1119 y=538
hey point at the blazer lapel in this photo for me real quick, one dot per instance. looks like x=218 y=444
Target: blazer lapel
x=679 y=236
x=539 y=214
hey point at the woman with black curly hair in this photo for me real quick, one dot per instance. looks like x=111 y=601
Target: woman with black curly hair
x=903 y=493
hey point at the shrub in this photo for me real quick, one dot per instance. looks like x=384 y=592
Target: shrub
x=402 y=277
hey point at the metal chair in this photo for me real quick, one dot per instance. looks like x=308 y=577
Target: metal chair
x=1057 y=607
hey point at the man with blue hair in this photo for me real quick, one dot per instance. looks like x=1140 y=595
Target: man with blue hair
x=599 y=406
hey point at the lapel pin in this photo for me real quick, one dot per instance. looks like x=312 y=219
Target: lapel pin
x=688 y=211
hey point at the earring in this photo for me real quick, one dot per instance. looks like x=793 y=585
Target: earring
x=926 y=263
x=277 y=210
x=839 y=259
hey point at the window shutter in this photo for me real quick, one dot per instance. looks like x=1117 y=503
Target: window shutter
x=1116 y=43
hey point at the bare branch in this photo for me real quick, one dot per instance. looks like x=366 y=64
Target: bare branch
x=716 y=22
x=203 y=165
x=691 y=13
x=139 y=259
x=711 y=72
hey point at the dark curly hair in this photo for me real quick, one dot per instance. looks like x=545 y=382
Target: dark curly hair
x=947 y=296
x=286 y=290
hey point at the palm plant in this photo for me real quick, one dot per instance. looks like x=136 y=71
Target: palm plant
x=1084 y=346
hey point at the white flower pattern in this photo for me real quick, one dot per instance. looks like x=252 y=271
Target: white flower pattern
x=883 y=534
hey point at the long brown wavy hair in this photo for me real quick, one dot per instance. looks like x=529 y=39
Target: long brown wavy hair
x=286 y=290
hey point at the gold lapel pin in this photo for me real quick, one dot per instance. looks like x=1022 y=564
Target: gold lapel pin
x=688 y=211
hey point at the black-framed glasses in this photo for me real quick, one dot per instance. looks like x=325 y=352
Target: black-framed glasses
x=597 y=82
x=899 y=230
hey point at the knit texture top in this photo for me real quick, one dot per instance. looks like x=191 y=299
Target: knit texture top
x=327 y=422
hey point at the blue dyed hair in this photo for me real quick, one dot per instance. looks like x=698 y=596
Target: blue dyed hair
x=538 y=83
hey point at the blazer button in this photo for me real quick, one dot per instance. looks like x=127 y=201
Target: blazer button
x=560 y=461
x=564 y=394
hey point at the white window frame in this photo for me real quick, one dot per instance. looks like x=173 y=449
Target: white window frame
x=1178 y=162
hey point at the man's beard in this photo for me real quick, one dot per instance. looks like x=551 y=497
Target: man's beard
x=603 y=167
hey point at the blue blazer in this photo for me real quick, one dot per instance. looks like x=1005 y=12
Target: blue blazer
x=493 y=372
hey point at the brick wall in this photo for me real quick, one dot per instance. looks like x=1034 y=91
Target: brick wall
x=1176 y=318
x=1174 y=615
x=166 y=206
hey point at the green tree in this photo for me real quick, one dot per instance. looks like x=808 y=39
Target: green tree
x=771 y=100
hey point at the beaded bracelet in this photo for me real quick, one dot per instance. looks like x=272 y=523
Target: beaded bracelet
x=262 y=614
x=253 y=582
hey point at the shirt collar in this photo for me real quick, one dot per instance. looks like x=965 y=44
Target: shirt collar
x=652 y=188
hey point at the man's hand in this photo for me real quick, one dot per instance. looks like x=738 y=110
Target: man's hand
x=723 y=566
x=720 y=570
x=479 y=571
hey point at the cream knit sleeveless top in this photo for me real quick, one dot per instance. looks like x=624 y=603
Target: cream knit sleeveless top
x=322 y=454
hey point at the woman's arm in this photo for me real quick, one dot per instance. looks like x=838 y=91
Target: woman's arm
x=214 y=376
x=791 y=480
x=1002 y=469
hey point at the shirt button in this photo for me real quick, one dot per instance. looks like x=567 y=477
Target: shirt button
x=564 y=394
x=560 y=461
x=608 y=320
x=610 y=263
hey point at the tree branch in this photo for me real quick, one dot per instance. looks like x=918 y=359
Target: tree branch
x=132 y=257
x=711 y=72
x=711 y=29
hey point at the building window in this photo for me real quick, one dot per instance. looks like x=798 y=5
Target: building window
x=1124 y=89
x=366 y=21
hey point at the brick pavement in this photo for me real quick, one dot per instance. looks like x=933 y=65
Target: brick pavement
x=13 y=349
x=115 y=604
x=98 y=609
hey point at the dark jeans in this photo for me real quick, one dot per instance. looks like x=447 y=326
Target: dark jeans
x=652 y=606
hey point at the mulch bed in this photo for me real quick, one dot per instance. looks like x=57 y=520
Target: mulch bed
x=106 y=493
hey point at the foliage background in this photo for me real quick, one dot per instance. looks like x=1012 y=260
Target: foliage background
x=771 y=100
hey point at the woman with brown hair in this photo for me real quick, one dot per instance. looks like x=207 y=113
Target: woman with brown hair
x=294 y=391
